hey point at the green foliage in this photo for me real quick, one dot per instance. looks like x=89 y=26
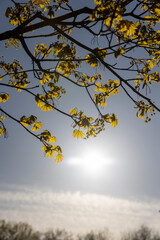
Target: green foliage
x=124 y=29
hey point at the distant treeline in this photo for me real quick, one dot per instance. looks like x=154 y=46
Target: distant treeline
x=24 y=231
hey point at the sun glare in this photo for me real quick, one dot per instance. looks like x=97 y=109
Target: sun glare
x=92 y=162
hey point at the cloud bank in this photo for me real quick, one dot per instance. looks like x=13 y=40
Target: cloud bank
x=76 y=212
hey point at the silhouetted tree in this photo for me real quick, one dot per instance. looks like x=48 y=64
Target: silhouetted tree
x=57 y=235
x=128 y=42
x=143 y=233
x=17 y=231
x=100 y=235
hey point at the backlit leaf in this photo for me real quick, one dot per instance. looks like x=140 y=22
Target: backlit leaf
x=36 y=126
x=73 y=111
x=4 y=97
x=59 y=158
x=78 y=134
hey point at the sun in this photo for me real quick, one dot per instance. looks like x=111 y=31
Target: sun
x=92 y=162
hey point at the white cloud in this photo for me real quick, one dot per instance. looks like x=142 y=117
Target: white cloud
x=76 y=211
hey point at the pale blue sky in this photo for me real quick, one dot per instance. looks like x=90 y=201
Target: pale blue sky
x=131 y=151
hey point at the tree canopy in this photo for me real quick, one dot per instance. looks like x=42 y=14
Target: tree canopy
x=127 y=43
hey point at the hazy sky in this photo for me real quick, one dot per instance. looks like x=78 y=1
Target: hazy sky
x=120 y=192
